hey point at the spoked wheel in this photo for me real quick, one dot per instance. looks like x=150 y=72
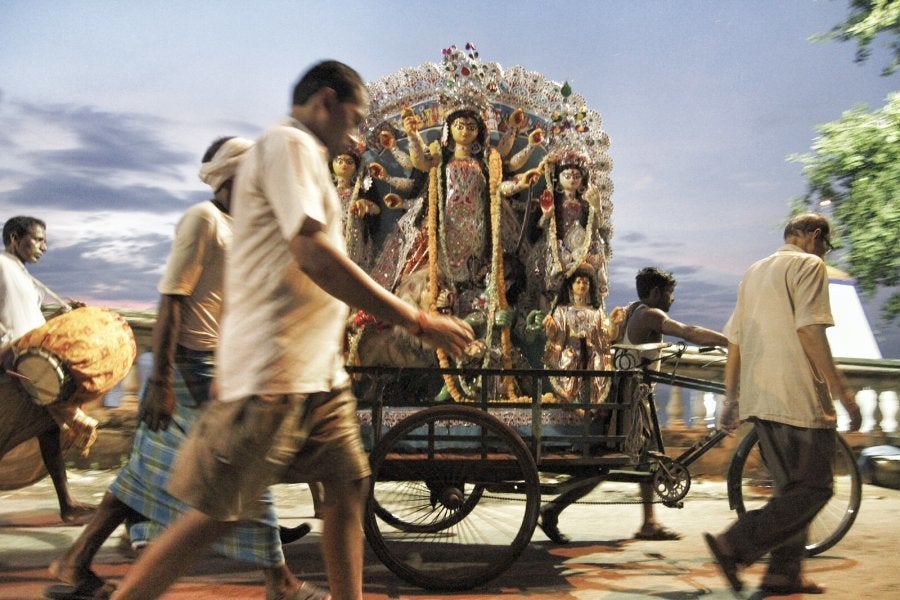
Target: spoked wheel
x=442 y=505
x=455 y=498
x=750 y=486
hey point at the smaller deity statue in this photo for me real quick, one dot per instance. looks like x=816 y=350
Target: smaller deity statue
x=577 y=339
x=569 y=229
x=358 y=214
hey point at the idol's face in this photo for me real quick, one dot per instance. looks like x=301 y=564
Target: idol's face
x=570 y=179
x=464 y=130
x=581 y=285
x=343 y=165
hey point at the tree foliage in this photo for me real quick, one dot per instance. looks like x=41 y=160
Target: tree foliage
x=867 y=19
x=855 y=166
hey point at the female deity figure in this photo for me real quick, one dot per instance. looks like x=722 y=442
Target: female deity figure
x=468 y=223
x=463 y=208
x=569 y=227
x=357 y=212
x=577 y=338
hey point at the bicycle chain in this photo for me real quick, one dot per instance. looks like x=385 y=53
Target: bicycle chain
x=590 y=503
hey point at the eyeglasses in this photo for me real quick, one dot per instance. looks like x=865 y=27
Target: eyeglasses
x=826 y=239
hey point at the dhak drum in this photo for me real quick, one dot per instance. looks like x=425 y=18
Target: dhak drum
x=75 y=357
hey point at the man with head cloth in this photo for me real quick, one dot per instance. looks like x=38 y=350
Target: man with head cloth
x=185 y=339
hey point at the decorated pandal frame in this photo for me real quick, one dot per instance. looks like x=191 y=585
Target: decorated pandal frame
x=484 y=224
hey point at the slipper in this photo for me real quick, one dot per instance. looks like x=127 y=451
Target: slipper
x=727 y=564
x=306 y=591
x=798 y=587
x=292 y=534
x=660 y=534
x=86 y=591
x=549 y=525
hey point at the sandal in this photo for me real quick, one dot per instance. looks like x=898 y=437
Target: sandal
x=798 y=587
x=90 y=590
x=292 y=534
x=727 y=564
x=305 y=591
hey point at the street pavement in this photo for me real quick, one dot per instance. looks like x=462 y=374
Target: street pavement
x=602 y=562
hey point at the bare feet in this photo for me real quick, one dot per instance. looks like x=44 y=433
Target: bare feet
x=77 y=512
x=657 y=533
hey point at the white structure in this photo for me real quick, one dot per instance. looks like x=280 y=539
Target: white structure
x=851 y=336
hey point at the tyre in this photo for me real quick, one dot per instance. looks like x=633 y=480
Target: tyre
x=750 y=486
x=454 y=499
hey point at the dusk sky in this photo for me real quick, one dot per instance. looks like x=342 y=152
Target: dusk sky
x=106 y=108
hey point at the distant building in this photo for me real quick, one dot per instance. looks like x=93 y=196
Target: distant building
x=851 y=336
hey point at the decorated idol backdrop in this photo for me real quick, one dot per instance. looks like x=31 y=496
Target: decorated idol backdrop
x=485 y=193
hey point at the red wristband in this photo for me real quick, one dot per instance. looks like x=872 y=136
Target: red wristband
x=419 y=327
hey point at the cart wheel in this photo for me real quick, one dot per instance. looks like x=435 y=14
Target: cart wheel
x=447 y=503
x=750 y=486
x=454 y=500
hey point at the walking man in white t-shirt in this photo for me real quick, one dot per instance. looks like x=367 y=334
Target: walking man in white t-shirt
x=284 y=407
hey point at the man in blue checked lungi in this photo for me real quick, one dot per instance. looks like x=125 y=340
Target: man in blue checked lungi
x=185 y=339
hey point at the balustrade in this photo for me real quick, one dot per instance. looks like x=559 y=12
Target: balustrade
x=878 y=382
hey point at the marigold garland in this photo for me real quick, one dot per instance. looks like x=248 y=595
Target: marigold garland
x=495 y=173
x=434 y=185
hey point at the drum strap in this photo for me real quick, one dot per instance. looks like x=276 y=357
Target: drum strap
x=62 y=303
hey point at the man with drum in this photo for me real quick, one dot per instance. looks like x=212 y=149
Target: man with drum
x=20 y=312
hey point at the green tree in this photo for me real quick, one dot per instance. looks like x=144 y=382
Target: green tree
x=855 y=167
x=867 y=19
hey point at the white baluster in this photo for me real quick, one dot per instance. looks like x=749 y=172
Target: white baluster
x=675 y=408
x=710 y=402
x=888 y=402
x=867 y=400
x=843 y=417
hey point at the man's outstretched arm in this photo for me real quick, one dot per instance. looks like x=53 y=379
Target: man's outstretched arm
x=693 y=333
x=340 y=277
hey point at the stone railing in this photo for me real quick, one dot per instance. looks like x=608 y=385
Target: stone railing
x=878 y=382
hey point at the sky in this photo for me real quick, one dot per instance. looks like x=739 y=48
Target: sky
x=106 y=108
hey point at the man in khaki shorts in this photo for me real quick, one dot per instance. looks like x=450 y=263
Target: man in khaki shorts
x=284 y=408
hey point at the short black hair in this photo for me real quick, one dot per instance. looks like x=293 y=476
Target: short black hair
x=20 y=226
x=214 y=147
x=651 y=278
x=331 y=74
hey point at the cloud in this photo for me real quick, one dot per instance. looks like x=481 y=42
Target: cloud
x=105 y=141
x=76 y=193
x=106 y=268
x=110 y=189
